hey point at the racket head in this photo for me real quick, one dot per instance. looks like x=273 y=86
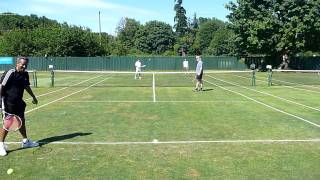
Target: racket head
x=11 y=122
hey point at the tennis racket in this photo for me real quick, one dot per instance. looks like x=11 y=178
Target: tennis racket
x=11 y=122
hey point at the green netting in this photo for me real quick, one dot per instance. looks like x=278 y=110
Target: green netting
x=127 y=63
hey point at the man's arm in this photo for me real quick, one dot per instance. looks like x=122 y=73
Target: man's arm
x=34 y=99
x=1 y=95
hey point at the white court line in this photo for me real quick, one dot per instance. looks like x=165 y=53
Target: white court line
x=219 y=101
x=154 y=88
x=271 y=107
x=301 y=89
x=65 y=96
x=64 y=88
x=265 y=93
x=262 y=141
x=303 y=85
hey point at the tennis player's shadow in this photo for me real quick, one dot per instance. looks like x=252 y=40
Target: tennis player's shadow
x=52 y=139
x=207 y=89
x=61 y=138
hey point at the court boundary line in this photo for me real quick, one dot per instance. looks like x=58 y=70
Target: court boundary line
x=252 y=141
x=268 y=94
x=303 y=85
x=266 y=105
x=51 y=92
x=76 y=92
x=260 y=77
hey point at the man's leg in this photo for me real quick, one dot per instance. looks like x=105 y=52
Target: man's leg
x=3 y=134
x=197 y=86
x=26 y=143
x=23 y=130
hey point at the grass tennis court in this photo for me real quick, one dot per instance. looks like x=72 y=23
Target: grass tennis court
x=110 y=126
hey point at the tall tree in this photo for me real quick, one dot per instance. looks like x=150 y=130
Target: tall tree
x=180 y=19
x=126 y=31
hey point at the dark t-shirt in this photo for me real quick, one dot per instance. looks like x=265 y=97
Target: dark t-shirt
x=13 y=85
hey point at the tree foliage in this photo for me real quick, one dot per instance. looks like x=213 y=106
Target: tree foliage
x=206 y=33
x=126 y=31
x=34 y=36
x=155 y=37
x=222 y=42
x=275 y=27
x=10 y=21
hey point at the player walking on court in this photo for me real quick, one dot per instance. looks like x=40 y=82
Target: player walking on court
x=199 y=74
x=13 y=84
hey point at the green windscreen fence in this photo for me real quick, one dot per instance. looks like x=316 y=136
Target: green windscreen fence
x=126 y=63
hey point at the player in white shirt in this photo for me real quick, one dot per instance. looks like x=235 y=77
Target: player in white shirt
x=186 y=66
x=138 y=66
x=199 y=73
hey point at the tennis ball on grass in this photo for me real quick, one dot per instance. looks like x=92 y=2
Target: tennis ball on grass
x=10 y=171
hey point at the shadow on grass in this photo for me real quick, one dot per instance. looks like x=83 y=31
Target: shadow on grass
x=203 y=90
x=48 y=140
x=61 y=138
x=207 y=89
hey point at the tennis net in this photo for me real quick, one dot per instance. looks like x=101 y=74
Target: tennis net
x=148 y=79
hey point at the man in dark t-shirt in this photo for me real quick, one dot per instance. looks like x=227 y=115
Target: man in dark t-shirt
x=13 y=84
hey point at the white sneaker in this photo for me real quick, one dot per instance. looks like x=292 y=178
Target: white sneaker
x=29 y=144
x=3 y=151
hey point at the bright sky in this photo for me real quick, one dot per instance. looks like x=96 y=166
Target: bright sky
x=86 y=12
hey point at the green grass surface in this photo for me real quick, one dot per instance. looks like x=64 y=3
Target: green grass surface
x=104 y=128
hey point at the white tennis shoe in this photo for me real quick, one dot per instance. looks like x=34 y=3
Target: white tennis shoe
x=3 y=151
x=29 y=144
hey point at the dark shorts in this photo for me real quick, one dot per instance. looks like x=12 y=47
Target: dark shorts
x=199 y=77
x=16 y=108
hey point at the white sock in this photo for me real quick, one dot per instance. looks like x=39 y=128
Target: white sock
x=1 y=143
x=24 y=140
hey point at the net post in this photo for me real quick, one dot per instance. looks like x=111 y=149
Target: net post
x=52 y=78
x=253 y=79
x=52 y=74
x=35 y=78
x=269 y=77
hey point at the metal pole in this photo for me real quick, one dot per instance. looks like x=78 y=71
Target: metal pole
x=100 y=28
x=269 y=77
x=52 y=78
x=253 y=80
x=36 y=78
